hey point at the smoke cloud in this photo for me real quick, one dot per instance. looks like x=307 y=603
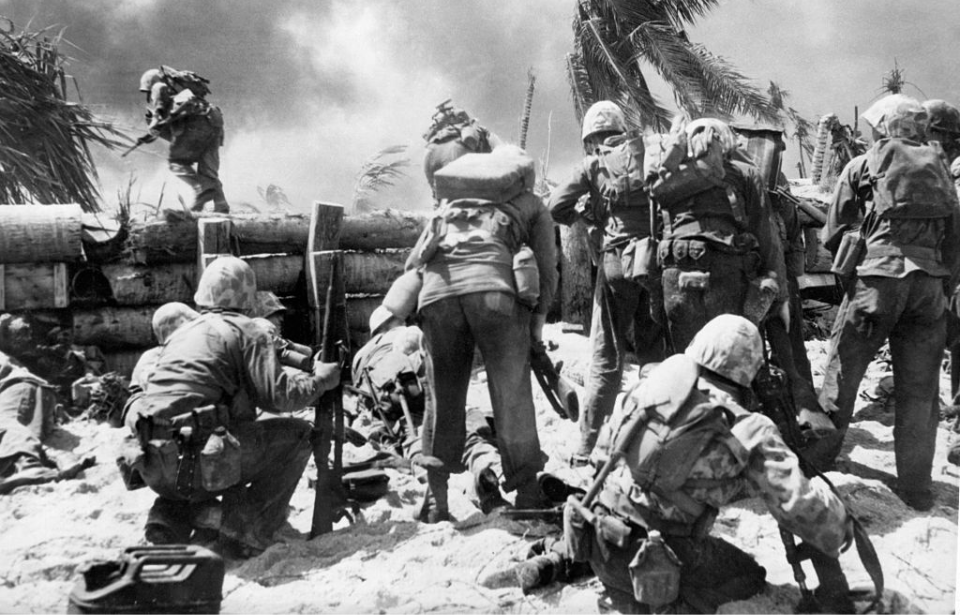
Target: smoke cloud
x=310 y=90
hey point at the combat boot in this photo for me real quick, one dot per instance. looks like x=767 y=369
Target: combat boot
x=435 y=507
x=488 y=491
x=528 y=575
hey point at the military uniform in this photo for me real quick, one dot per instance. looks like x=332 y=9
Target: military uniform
x=390 y=364
x=26 y=416
x=469 y=299
x=612 y=177
x=898 y=293
x=194 y=129
x=224 y=365
x=715 y=243
x=650 y=492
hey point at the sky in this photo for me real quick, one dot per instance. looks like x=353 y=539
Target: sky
x=311 y=89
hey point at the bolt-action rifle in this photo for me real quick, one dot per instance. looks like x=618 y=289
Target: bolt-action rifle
x=330 y=499
x=776 y=403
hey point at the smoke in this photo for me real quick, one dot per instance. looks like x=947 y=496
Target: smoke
x=310 y=90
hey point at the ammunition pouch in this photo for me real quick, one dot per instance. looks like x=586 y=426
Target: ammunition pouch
x=189 y=452
x=850 y=253
x=639 y=260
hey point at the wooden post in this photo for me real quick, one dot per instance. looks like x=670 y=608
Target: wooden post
x=213 y=241
x=326 y=225
x=576 y=280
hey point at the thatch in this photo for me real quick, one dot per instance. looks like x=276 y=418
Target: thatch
x=44 y=138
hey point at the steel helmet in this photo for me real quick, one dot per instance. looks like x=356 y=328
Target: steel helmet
x=942 y=117
x=380 y=317
x=152 y=76
x=169 y=317
x=897 y=116
x=729 y=345
x=227 y=283
x=268 y=304
x=602 y=116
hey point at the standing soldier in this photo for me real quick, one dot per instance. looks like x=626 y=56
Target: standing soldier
x=612 y=176
x=387 y=370
x=470 y=297
x=893 y=226
x=178 y=112
x=720 y=251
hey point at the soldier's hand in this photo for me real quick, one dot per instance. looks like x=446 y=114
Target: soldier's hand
x=536 y=326
x=329 y=373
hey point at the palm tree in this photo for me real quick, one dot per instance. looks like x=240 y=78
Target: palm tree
x=613 y=37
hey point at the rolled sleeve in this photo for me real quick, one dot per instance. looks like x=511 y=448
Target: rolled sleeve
x=806 y=508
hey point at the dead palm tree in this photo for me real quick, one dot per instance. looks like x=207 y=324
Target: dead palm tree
x=612 y=38
x=803 y=129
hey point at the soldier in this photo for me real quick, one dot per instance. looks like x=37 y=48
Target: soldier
x=612 y=176
x=27 y=404
x=893 y=225
x=719 y=247
x=387 y=371
x=469 y=298
x=197 y=422
x=649 y=540
x=178 y=112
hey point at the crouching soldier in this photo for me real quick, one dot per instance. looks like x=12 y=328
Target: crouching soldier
x=387 y=371
x=197 y=422
x=685 y=446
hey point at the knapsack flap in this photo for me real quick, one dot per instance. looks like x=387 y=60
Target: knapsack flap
x=909 y=180
x=491 y=177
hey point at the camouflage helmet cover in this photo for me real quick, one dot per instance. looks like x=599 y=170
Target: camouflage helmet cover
x=942 y=117
x=378 y=318
x=169 y=317
x=729 y=345
x=268 y=304
x=602 y=116
x=149 y=78
x=227 y=283
x=897 y=116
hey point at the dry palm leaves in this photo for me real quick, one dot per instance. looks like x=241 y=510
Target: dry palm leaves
x=44 y=153
x=377 y=173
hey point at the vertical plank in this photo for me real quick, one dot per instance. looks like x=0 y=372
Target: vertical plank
x=61 y=292
x=326 y=225
x=213 y=240
x=3 y=288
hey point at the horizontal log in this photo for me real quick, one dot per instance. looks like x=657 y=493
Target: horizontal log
x=40 y=233
x=140 y=285
x=123 y=361
x=113 y=328
x=175 y=240
x=373 y=272
x=33 y=286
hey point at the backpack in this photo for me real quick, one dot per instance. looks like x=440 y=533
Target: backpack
x=682 y=423
x=909 y=180
x=181 y=80
x=623 y=166
x=672 y=176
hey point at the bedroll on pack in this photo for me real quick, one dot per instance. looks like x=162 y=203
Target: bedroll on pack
x=672 y=176
x=492 y=177
x=185 y=80
x=910 y=180
x=158 y=579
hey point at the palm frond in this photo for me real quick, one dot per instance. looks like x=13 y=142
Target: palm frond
x=377 y=173
x=44 y=137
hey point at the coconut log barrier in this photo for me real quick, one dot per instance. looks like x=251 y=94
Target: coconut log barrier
x=107 y=292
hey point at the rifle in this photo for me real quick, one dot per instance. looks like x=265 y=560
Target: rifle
x=330 y=499
x=143 y=140
x=547 y=515
x=777 y=405
x=559 y=392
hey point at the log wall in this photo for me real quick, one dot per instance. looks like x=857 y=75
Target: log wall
x=40 y=233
